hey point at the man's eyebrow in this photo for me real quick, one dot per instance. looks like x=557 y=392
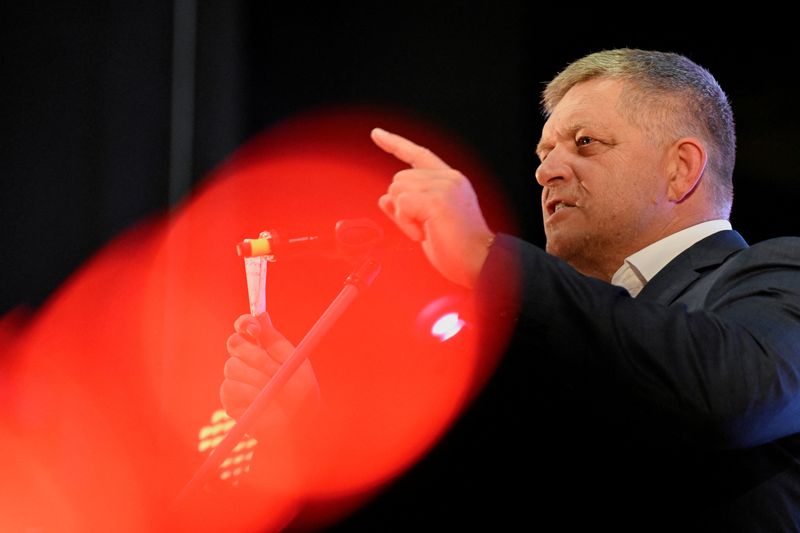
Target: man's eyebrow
x=567 y=132
x=541 y=147
x=545 y=144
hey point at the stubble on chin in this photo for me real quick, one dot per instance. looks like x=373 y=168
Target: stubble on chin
x=579 y=252
x=560 y=246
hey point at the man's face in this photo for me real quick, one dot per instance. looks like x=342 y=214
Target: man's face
x=604 y=180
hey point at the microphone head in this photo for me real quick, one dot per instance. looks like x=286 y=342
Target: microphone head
x=357 y=236
x=351 y=239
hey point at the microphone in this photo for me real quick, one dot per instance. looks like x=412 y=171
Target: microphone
x=350 y=238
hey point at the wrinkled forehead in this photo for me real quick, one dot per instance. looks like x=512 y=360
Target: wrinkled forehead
x=591 y=103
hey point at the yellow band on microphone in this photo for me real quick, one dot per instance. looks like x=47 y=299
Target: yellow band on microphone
x=260 y=247
x=254 y=248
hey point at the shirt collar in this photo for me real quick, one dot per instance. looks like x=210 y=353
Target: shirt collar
x=640 y=267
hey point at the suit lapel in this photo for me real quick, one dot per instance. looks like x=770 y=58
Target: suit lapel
x=672 y=280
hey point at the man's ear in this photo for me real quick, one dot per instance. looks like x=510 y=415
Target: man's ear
x=689 y=158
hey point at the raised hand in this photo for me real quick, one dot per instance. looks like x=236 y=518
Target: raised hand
x=437 y=206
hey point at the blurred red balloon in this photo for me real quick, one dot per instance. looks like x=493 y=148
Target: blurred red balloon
x=110 y=382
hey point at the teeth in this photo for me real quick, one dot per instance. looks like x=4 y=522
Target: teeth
x=559 y=205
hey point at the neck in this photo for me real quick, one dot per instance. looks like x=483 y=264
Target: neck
x=604 y=265
x=600 y=269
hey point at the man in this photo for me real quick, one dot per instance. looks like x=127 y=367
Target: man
x=696 y=381
x=656 y=356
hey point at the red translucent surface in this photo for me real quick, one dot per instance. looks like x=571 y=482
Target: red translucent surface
x=107 y=385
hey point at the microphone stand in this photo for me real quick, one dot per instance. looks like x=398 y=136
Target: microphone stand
x=358 y=280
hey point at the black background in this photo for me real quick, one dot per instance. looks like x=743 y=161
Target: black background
x=87 y=102
x=87 y=110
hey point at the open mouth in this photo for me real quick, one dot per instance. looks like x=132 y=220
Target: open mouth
x=557 y=205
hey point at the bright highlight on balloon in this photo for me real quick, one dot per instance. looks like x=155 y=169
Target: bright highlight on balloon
x=447 y=326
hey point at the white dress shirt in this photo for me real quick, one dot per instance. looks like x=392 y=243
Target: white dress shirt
x=640 y=267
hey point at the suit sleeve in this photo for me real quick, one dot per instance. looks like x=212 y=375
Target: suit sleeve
x=726 y=373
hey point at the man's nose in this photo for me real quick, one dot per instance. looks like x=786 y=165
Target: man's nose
x=553 y=168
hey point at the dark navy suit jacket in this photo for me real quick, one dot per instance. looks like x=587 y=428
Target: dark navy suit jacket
x=678 y=410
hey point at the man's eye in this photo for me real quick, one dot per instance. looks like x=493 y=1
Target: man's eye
x=583 y=140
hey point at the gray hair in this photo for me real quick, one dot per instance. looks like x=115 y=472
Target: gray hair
x=670 y=95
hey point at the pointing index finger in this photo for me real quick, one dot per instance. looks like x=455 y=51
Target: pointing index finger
x=406 y=151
